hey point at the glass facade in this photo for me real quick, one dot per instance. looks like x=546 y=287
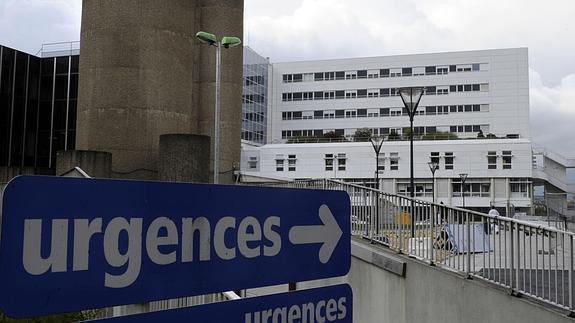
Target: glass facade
x=37 y=108
x=255 y=95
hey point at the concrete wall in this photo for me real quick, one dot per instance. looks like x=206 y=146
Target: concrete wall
x=430 y=294
x=143 y=74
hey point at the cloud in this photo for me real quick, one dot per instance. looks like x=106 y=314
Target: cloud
x=322 y=29
x=311 y=29
x=553 y=114
x=27 y=24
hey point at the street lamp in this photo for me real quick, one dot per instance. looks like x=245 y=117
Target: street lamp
x=433 y=166
x=226 y=42
x=376 y=142
x=463 y=178
x=411 y=97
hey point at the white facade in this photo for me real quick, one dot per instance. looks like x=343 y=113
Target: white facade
x=483 y=91
x=491 y=94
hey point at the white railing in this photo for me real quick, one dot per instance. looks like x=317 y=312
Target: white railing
x=59 y=49
x=526 y=258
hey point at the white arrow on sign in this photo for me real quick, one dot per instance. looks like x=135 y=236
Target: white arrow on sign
x=328 y=234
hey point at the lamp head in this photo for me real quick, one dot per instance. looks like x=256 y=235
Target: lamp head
x=207 y=38
x=463 y=177
x=411 y=97
x=376 y=142
x=433 y=166
x=229 y=42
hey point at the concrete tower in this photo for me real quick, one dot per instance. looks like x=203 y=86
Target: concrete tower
x=143 y=74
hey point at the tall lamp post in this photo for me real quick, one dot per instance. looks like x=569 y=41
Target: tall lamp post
x=376 y=142
x=225 y=42
x=463 y=178
x=433 y=166
x=411 y=97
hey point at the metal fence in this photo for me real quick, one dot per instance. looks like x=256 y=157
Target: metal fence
x=526 y=258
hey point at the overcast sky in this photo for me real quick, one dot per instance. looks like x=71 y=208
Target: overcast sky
x=321 y=29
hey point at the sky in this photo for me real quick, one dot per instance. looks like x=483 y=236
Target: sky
x=325 y=29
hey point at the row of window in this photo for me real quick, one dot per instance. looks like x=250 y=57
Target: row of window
x=287 y=134
x=446 y=160
x=471 y=188
x=253 y=98
x=254 y=80
x=339 y=162
x=381 y=112
x=377 y=93
x=384 y=72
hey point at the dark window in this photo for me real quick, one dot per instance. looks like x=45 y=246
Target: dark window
x=430 y=129
x=339 y=94
x=406 y=71
x=362 y=74
x=297 y=115
x=297 y=96
x=453 y=68
x=453 y=129
x=384 y=92
x=467 y=87
x=362 y=112
x=318 y=95
x=361 y=93
x=476 y=108
x=452 y=108
x=384 y=112
x=297 y=77
x=339 y=75
x=430 y=70
x=475 y=67
x=318 y=133
x=318 y=114
x=453 y=88
x=430 y=110
x=384 y=131
x=468 y=108
x=339 y=113
x=430 y=90
x=62 y=65
x=384 y=72
x=475 y=87
x=61 y=90
x=75 y=64
x=318 y=76
x=468 y=128
x=73 y=86
x=339 y=132
x=476 y=128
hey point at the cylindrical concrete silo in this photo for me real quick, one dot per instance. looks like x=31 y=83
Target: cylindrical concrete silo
x=136 y=79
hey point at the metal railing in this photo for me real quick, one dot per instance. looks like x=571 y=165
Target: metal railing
x=398 y=137
x=528 y=259
x=59 y=49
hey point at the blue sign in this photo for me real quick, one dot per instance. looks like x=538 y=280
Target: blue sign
x=326 y=304
x=69 y=244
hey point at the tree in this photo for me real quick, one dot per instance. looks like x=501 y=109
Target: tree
x=439 y=135
x=332 y=136
x=58 y=318
x=362 y=134
x=393 y=136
